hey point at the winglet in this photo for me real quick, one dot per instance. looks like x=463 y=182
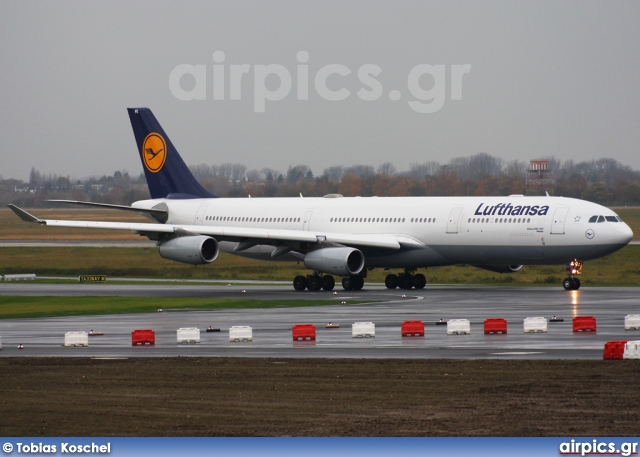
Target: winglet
x=22 y=214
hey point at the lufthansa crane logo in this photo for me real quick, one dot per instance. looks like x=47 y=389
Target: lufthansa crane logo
x=154 y=152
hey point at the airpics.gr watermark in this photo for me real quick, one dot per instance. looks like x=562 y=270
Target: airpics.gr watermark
x=275 y=82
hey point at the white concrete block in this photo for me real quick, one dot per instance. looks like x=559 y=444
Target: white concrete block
x=535 y=324
x=631 y=350
x=76 y=339
x=363 y=330
x=240 y=333
x=458 y=326
x=188 y=335
x=632 y=322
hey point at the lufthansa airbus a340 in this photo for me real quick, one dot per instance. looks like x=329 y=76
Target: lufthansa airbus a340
x=347 y=236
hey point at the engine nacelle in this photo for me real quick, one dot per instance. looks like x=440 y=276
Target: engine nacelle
x=335 y=261
x=195 y=250
x=500 y=268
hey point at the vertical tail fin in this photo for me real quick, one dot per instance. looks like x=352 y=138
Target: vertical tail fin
x=167 y=174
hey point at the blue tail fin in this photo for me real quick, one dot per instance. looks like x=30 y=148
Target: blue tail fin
x=167 y=174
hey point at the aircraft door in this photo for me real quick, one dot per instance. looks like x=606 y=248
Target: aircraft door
x=200 y=215
x=307 y=220
x=559 y=217
x=454 y=219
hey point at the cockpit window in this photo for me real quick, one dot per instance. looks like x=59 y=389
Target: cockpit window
x=599 y=219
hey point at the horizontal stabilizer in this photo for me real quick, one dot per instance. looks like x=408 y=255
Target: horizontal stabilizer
x=22 y=214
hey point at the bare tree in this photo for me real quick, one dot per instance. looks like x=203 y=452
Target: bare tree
x=334 y=173
x=422 y=170
x=237 y=172
x=483 y=165
x=361 y=171
x=387 y=168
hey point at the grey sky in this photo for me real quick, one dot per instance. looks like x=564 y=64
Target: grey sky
x=546 y=78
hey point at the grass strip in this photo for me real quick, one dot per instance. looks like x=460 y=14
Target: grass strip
x=12 y=307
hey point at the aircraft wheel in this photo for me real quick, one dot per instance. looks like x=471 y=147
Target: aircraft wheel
x=314 y=283
x=357 y=282
x=347 y=283
x=568 y=284
x=405 y=281
x=419 y=281
x=328 y=283
x=391 y=281
x=576 y=283
x=299 y=283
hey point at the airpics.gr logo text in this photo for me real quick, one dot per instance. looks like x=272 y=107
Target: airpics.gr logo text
x=426 y=84
x=154 y=152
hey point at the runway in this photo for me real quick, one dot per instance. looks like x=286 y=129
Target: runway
x=272 y=335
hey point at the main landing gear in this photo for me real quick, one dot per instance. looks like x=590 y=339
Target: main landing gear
x=405 y=280
x=316 y=281
x=571 y=282
x=353 y=282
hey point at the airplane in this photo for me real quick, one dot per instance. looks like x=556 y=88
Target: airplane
x=348 y=236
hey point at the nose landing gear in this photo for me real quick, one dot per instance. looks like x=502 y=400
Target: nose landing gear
x=571 y=282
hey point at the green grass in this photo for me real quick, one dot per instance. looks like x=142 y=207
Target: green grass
x=25 y=307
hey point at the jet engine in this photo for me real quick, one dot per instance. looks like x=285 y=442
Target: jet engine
x=500 y=268
x=340 y=261
x=196 y=250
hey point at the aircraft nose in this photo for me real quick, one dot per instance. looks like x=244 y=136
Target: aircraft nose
x=625 y=234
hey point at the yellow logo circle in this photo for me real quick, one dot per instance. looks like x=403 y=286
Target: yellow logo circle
x=154 y=152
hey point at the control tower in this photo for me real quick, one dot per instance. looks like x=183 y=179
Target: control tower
x=540 y=174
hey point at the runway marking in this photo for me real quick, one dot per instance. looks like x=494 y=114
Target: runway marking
x=515 y=353
x=109 y=358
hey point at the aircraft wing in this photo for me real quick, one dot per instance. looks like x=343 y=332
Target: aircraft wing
x=156 y=213
x=257 y=235
x=133 y=226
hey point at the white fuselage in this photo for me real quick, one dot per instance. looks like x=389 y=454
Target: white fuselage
x=514 y=230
